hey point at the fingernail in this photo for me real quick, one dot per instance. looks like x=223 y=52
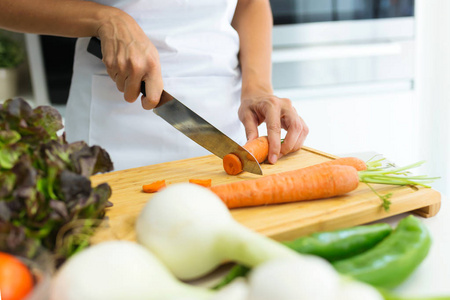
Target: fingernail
x=273 y=158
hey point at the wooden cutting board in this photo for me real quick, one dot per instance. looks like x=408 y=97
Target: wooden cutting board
x=282 y=221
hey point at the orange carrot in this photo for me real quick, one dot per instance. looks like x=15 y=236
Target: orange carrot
x=355 y=162
x=154 y=186
x=202 y=182
x=259 y=147
x=314 y=182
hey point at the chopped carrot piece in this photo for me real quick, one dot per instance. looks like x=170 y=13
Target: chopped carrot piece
x=232 y=164
x=154 y=186
x=202 y=182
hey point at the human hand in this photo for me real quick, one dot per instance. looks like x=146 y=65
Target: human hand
x=277 y=113
x=130 y=58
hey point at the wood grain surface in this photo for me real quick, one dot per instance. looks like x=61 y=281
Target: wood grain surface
x=282 y=221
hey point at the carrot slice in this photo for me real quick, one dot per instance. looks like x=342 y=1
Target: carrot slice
x=202 y=182
x=232 y=164
x=314 y=182
x=258 y=147
x=154 y=186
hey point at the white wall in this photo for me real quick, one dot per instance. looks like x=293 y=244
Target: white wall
x=433 y=88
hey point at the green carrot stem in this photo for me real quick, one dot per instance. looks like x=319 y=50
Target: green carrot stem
x=392 y=176
x=372 y=165
x=384 y=198
x=396 y=170
x=395 y=181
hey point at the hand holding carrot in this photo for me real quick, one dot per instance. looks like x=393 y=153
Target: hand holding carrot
x=277 y=113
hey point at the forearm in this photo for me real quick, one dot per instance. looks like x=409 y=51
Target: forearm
x=70 y=18
x=253 y=22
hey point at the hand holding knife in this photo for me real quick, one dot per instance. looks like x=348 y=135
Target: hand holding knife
x=192 y=125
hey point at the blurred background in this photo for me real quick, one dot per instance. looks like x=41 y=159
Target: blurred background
x=367 y=76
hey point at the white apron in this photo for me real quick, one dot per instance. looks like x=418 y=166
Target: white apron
x=198 y=51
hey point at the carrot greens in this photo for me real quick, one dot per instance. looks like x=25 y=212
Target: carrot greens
x=390 y=174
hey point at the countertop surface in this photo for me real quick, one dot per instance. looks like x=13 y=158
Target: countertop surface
x=432 y=277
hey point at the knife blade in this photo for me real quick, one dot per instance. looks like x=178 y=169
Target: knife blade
x=192 y=125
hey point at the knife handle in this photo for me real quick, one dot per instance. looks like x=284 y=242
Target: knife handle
x=95 y=48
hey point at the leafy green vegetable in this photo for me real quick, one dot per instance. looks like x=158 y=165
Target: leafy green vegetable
x=46 y=197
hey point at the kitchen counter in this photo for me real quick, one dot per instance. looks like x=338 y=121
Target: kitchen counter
x=432 y=277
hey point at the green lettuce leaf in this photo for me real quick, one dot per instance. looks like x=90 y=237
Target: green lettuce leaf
x=46 y=196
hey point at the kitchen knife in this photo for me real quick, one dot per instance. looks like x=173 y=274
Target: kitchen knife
x=192 y=125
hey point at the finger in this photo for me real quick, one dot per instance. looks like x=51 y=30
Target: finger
x=120 y=81
x=301 y=140
x=132 y=88
x=118 y=66
x=112 y=73
x=297 y=139
x=136 y=70
x=153 y=91
x=273 y=124
x=108 y=57
x=250 y=122
x=293 y=125
x=121 y=74
x=303 y=135
x=111 y=68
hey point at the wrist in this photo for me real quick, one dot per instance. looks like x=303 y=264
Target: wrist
x=255 y=83
x=109 y=19
x=256 y=88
